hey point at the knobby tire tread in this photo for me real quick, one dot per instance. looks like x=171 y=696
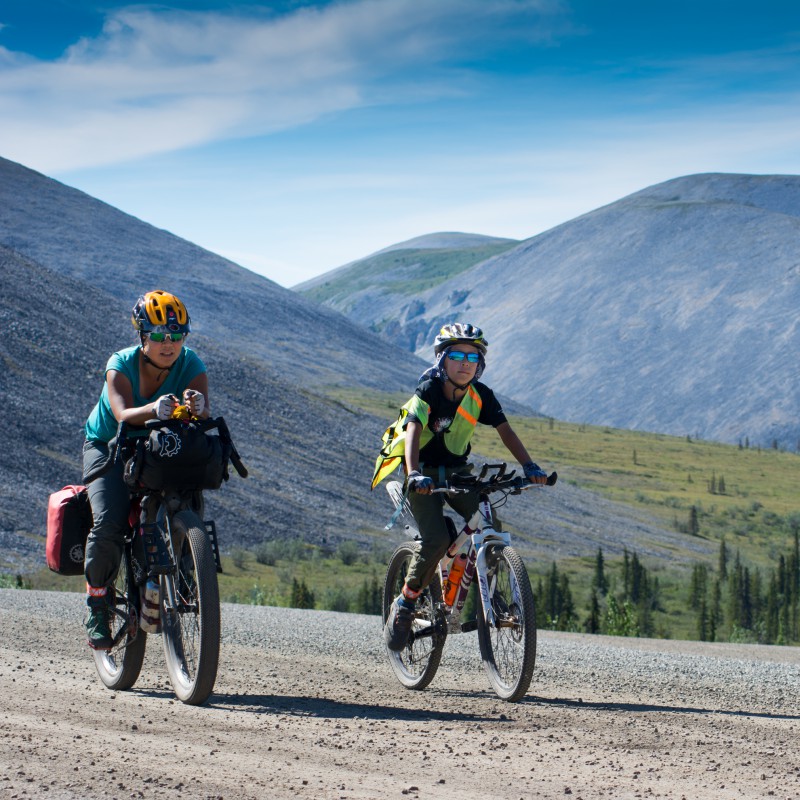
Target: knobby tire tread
x=119 y=668
x=199 y=686
x=412 y=677
x=515 y=689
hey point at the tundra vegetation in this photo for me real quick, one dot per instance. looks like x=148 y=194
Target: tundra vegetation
x=740 y=498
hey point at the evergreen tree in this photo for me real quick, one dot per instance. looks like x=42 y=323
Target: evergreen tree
x=715 y=618
x=302 y=596
x=592 y=624
x=369 y=599
x=626 y=573
x=599 y=579
x=557 y=603
x=702 y=621
x=694 y=522
x=697 y=586
x=722 y=563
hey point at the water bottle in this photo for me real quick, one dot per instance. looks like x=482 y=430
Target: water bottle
x=454 y=578
x=151 y=616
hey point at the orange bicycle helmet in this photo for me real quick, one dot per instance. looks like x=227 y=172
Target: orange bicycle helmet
x=160 y=310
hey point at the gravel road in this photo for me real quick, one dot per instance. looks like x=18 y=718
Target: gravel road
x=306 y=706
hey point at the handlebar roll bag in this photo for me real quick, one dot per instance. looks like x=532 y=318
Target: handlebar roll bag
x=69 y=520
x=183 y=457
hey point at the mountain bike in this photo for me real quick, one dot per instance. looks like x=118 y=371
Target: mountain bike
x=171 y=550
x=506 y=617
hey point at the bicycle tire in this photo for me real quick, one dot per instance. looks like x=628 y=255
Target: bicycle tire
x=192 y=630
x=119 y=667
x=416 y=664
x=508 y=650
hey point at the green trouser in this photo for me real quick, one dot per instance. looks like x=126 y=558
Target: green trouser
x=428 y=510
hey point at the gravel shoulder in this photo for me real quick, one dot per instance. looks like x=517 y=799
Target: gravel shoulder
x=306 y=706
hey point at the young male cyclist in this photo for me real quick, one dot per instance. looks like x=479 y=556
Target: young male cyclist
x=441 y=418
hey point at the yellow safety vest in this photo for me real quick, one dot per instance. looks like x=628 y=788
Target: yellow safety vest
x=456 y=438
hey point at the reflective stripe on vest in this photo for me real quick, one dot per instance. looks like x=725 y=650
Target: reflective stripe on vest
x=456 y=438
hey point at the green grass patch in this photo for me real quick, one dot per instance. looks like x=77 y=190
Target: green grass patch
x=405 y=272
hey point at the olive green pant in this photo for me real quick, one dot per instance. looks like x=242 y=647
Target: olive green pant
x=428 y=510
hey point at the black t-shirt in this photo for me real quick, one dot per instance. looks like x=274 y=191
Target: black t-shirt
x=442 y=413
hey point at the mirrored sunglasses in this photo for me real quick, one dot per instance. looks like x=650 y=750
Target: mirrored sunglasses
x=457 y=355
x=158 y=337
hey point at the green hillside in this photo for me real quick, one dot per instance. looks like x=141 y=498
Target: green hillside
x=404 y=272
x=744 y=497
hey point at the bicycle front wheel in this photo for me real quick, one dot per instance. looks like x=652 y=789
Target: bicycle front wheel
x=192 y=627
x=508 y=648
x=120 y=666
x=416 y=664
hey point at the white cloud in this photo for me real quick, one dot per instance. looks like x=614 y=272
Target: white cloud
x=156 y=81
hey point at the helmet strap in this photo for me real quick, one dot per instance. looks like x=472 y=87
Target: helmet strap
x=148 y=360
x=457 y=385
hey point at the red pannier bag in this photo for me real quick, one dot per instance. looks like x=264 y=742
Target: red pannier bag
x=69 y=520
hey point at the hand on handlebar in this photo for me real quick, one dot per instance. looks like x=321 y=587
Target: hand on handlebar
x=195 y=401
x=534 y=473
x=165 y=405
x=417 y=482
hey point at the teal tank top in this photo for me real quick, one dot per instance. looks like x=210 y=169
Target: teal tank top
x=102 y=424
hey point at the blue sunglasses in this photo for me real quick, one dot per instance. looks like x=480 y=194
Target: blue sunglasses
x=457 y=355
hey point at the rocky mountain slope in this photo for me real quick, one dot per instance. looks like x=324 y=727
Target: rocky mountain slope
x=70 y=269
x=672 y=310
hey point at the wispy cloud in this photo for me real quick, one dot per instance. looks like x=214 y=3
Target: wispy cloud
x=156 y=81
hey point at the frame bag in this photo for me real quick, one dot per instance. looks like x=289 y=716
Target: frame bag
x=69 y=520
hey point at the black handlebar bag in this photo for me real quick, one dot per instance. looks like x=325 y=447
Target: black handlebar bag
x=180 y=457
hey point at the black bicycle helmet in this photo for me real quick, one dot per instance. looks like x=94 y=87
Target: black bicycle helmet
x=460 y=333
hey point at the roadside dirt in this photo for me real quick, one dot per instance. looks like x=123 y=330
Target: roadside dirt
x=306 y=706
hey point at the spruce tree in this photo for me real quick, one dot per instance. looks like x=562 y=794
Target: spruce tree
x=722 y=562
x=599 y=579
x=592 y=624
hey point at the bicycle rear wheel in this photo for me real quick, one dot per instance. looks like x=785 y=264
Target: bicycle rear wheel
x=192 y=628
x=508 y=649
x=416 y=664
x=119 y=667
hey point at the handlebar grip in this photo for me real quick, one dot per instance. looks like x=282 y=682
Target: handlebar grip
x=552 y=478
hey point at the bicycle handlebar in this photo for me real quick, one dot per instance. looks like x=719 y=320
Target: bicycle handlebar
x=496 y=483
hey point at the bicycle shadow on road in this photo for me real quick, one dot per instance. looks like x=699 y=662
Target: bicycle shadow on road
x=336 y=709
x=649 y=708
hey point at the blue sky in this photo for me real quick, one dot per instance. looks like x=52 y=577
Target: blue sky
x=296 y=136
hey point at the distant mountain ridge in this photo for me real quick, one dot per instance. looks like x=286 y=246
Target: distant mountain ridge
x=674 y=309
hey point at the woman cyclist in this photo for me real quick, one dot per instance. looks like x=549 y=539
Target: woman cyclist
x=440 y=420
x=142 y=382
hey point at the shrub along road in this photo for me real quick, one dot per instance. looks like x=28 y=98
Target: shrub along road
x=306 y=706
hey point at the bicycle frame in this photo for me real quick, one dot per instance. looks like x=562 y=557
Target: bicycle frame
x=479 y=530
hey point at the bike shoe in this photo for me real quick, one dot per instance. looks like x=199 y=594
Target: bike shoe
x=98 y=629
x=398 y=625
